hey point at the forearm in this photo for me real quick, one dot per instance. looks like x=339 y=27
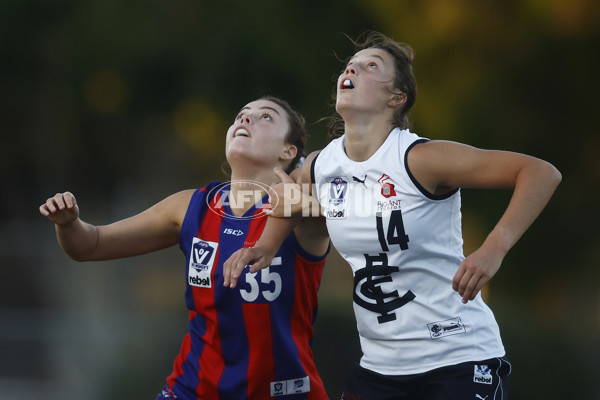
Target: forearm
x=275 y=233
x=533 y=189
x=77 y=239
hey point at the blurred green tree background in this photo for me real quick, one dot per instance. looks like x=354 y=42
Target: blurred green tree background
x=125 y=102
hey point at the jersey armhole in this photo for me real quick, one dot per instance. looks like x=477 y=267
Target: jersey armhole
x=198 y=201
x=295 y=245
x=312 y=169
x=424 y=191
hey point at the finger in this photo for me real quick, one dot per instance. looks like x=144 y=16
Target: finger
x=237 y=272
x=44 y=210
x=237 y=265
x=69 y=199
x=228 y=267
x=258 y=265
x=464 y=281
x=51 y=205
x=59 y=200
x=458 y=276
x=470 y=292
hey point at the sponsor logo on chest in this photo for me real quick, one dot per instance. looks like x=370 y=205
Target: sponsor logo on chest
x=337 y=198
x=202 y=260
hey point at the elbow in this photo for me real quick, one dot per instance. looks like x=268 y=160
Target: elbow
x=77 y=257
x=554 y=175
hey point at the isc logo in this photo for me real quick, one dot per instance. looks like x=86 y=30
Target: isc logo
x=234 y=232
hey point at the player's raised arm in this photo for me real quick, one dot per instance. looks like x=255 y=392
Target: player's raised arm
x=153 y=229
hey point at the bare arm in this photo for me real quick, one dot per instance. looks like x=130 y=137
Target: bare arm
x=155 y=228
x=443 y=166
x=312 y=235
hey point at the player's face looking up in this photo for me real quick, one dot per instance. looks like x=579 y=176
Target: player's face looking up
x=367 y=83
x=259 y=135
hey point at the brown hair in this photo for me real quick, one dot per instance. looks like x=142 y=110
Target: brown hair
x=297 y=133
x=404 y=79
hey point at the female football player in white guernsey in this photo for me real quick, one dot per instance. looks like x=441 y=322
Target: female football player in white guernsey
x=252 y=342
x=392 y=205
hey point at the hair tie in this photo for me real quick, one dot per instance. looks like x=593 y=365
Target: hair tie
x=300 y=162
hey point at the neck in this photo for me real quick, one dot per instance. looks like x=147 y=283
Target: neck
x=248 y=187
x=363 y=139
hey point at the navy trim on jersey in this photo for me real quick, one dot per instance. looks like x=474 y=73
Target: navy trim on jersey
x=312 y=169
x=417 y=184
x=292 y=241
x=189 y=227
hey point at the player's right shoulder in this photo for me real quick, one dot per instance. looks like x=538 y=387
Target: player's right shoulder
x=175 y=206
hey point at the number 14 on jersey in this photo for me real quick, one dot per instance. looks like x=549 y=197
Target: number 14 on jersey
x=395 y=231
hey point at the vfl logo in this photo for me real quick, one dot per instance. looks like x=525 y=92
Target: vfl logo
x=202 y=259
x=387 y=188
x=482 y=374
x=338 y=189
x=369 y=294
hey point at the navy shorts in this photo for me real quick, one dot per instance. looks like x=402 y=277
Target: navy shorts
x=479 y=380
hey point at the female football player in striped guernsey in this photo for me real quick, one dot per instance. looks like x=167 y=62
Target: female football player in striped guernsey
x=248 y=343
x=392 y=203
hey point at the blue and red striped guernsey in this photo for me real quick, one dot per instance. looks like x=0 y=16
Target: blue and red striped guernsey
x=251 y=342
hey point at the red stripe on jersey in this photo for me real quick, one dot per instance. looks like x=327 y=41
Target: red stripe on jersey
x=186 y=346
x=308 y=274
x=257 y=319
x=211 y=362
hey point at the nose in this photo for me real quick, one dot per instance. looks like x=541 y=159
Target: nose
x=351 y=69
x=246 y=119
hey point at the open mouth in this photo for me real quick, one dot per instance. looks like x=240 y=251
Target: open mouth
x=347 y=84
x=241 y=132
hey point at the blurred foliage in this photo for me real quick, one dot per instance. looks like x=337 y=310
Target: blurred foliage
x=125 y=102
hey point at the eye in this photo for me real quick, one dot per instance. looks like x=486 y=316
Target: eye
x=372 y=64
x=238 y=117
x=266 y=116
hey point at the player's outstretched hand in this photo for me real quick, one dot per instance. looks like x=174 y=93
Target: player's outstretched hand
x=61 y=209
x=256 y=258
x=474 y=272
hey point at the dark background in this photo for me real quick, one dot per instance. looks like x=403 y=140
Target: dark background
x=124 y=102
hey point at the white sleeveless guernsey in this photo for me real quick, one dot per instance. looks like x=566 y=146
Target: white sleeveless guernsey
x=404 y=246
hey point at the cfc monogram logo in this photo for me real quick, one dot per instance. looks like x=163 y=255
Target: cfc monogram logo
x=369 y=294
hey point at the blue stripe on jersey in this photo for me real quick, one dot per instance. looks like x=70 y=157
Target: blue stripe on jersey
x=234 y=341
x=191 y=365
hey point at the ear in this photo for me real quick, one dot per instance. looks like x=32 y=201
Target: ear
x=289 y=152
x=397 y=100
